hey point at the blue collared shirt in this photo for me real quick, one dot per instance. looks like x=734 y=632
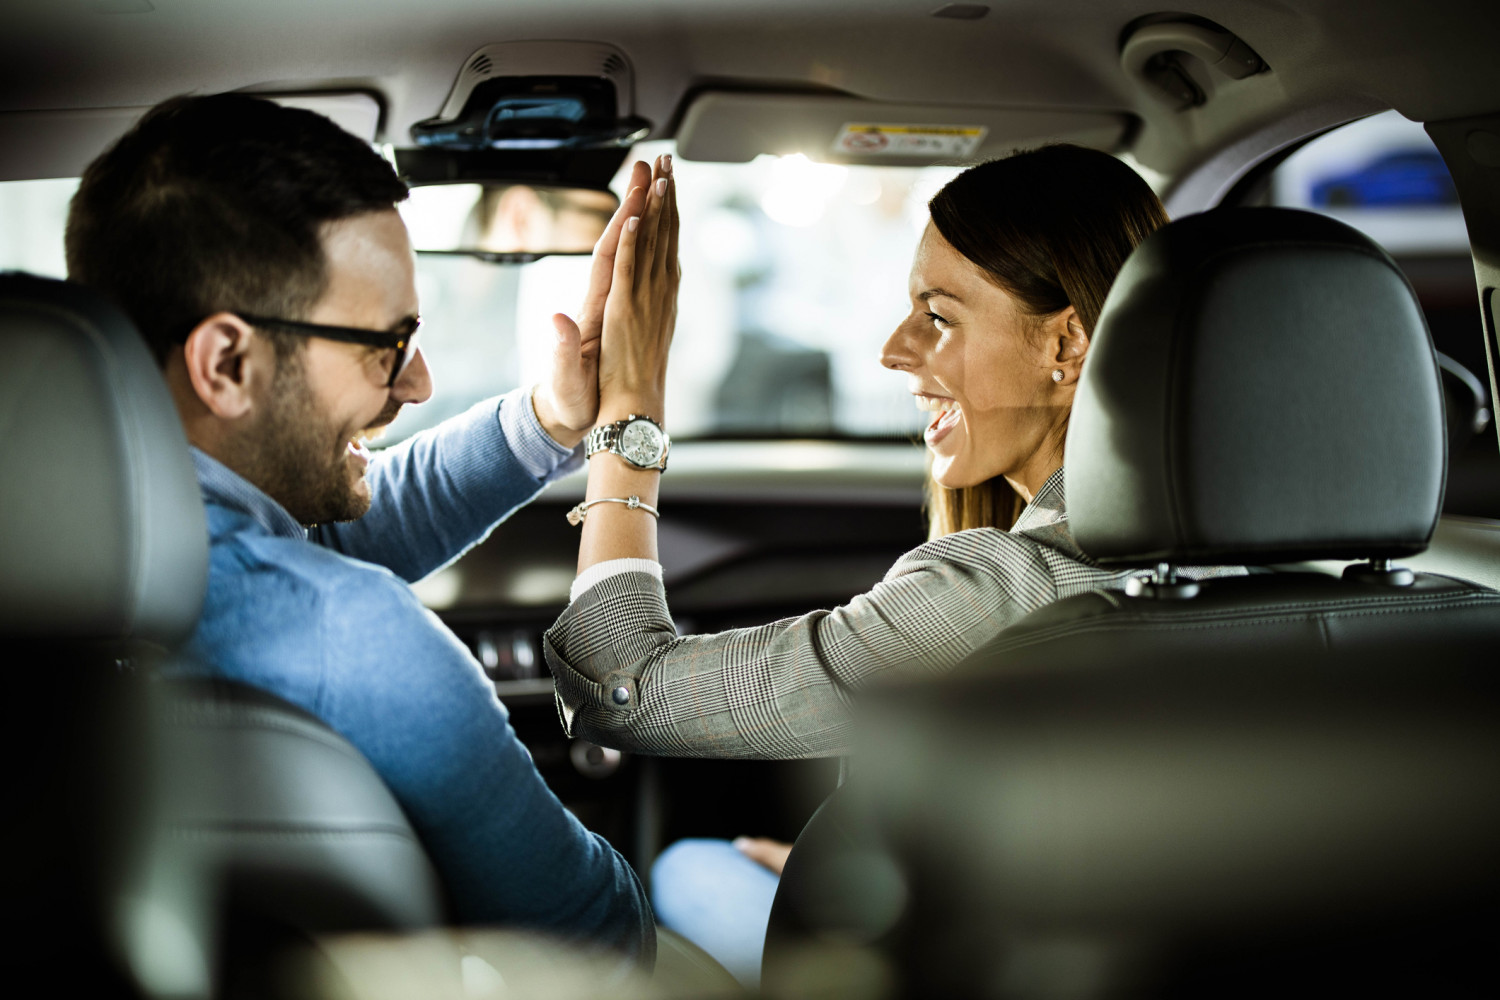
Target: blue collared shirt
x=325 y=619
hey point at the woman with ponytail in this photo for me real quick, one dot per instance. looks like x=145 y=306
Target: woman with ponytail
x=1005 y=290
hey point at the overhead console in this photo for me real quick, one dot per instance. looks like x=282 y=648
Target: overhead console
x=735 y=126
x=551 y=112
x=538 y=95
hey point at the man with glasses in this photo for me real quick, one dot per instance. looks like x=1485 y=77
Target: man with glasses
x=259 y=251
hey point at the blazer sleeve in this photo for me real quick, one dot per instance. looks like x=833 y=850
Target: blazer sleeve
x=625 y=679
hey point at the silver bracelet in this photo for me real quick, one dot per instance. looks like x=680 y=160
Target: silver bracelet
x=577 y=514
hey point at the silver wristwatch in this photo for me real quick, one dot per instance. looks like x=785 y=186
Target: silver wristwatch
x=638 y=440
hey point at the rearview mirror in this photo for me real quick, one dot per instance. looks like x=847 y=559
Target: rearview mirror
x=506 y=222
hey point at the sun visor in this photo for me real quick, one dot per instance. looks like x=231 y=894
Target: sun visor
x=734 y=127
x=61 y=143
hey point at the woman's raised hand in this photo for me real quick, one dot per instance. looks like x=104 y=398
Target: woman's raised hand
x=640 y=310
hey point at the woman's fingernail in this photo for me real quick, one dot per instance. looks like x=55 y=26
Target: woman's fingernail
x=666 y=164
x=632 y=222
x=661 y=187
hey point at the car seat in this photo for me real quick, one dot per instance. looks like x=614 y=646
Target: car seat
x=1191 y=788
x=169 y=834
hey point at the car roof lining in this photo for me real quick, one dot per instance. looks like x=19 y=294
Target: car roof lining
x=1036 y=54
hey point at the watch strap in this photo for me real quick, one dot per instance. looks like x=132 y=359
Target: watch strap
x=606 y=437
x=600 y=438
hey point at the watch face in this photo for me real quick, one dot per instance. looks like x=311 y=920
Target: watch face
x=640 y=442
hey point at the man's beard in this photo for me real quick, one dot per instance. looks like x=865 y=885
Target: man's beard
x=297 y=459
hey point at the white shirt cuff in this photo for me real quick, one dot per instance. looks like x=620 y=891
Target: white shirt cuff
x=600 y=572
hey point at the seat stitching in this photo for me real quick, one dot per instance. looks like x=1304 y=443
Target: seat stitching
x=1425 y=600
x=1365 y=605
x=1247 y=618
x=201 y=718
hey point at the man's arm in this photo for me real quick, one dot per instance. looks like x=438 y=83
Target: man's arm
x=437 y=494
x=407 y=694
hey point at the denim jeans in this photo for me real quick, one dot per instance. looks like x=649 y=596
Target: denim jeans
x=719 y=899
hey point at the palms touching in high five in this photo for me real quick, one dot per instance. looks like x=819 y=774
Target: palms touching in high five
x=635 y=280
x=568 y=404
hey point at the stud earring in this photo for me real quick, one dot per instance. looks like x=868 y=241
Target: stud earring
x=1057 y=375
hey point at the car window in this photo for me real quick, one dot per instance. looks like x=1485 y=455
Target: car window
x=32 y=214
x=1383 y=176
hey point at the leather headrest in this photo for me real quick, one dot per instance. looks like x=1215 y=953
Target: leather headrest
x=102 y=528
x=1261 y=388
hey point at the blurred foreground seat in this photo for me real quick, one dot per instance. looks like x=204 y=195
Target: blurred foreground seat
x=167 y=837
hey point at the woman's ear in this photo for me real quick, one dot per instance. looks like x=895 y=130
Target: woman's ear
x=1070 y=344
x=228 y=366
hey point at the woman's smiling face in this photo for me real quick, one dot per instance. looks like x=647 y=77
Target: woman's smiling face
x=984 y=367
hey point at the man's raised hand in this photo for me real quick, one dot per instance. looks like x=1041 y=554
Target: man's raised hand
x=567 y=404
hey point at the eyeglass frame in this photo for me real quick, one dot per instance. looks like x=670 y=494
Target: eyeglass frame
x=403 y=339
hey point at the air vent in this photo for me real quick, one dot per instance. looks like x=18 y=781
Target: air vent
x=481 y=66
x=613 y=64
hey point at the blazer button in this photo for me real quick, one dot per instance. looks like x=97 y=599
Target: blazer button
x=620 y=695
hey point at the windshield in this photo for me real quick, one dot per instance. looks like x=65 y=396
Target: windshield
x=794 y=273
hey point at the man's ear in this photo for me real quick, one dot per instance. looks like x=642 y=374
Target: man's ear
x=228 y=366
x=1069 y=344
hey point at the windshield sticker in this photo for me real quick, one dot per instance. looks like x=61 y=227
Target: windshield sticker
x=956 y=141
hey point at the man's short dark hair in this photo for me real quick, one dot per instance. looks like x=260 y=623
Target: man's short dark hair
x=216 y=203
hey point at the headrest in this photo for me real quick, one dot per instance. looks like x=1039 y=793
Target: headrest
x=1261 y=388
x=101 y=526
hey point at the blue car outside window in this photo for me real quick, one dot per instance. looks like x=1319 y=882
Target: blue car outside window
x=1404 y=179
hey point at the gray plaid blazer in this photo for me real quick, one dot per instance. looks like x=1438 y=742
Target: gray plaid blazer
x=626 y=679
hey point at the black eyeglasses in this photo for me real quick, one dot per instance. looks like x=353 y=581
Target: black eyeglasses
x=402 y=339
